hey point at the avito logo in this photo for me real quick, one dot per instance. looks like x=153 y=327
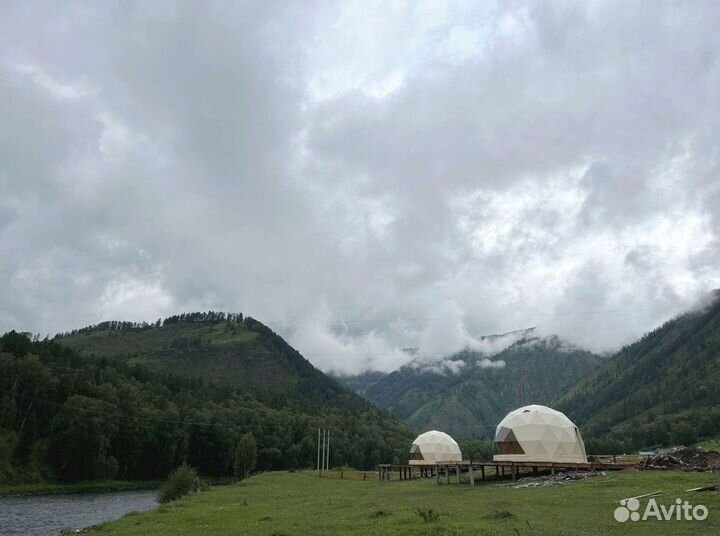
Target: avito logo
x=629 y=510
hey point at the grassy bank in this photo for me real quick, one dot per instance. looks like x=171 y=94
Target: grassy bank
x=95 y=486
x=711 y=444
x=295 y=504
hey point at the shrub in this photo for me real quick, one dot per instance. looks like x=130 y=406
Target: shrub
x=500 y=515
x=245 y=456
x=428 y=515
x=181 y=481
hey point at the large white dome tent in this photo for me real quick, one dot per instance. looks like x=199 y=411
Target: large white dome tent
x=538 y=434
x=432 y=447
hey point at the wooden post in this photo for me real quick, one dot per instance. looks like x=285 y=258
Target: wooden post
x=552 y=468
x=482 y=468
x=502 y=468
x=512 y=470
x=457 y=473
x=437 y=476
x=470 y=474
x=447 y=474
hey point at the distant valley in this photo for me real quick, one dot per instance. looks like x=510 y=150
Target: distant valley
x=467 y=394
x=663 y=389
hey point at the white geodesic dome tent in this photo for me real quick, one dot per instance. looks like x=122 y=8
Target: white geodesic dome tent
x=434 y=446
x=538 y=434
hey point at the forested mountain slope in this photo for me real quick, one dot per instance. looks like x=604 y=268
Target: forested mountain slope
x=220 y=347
x=467 y=395
x=76 y=416
x=664 y=389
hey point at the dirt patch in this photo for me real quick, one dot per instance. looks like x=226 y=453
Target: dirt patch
x=558 y=479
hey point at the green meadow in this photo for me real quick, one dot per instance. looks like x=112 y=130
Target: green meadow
x=296 y=504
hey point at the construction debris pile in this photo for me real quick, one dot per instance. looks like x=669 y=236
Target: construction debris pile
x=558 y=479
x=684 y=459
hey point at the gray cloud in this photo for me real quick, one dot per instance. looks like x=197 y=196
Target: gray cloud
x=364 y=179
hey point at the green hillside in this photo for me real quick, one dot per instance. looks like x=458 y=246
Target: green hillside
x=241 y=351
x=137 y=402
x=664 y=389
x=469 y=403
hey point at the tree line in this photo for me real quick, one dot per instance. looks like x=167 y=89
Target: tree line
x=122 y=325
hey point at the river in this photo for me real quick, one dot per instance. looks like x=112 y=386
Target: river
x=46 y=515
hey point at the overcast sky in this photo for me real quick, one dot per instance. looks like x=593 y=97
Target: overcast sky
x=361 y=176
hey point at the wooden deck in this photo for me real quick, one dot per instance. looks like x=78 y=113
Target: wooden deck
x=487 y=470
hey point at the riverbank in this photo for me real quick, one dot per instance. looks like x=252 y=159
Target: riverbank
x=94 y=486
x=302 y=504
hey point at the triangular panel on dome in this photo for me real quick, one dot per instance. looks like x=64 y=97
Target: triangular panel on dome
x=510 y=445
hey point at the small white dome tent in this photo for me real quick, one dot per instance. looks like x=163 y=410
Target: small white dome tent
x=539 y=434
x=432 y=447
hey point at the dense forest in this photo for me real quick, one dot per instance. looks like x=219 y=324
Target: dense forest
x=72 y=416
x=662 y=390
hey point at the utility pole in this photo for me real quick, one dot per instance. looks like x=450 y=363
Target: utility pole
x=327 y=465
x=318 y=456
x=323 y=450
x=322 y=458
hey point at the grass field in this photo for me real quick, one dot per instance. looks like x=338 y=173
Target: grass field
x=295 y=504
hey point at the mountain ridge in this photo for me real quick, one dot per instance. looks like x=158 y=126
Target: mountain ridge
x=220 y=347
